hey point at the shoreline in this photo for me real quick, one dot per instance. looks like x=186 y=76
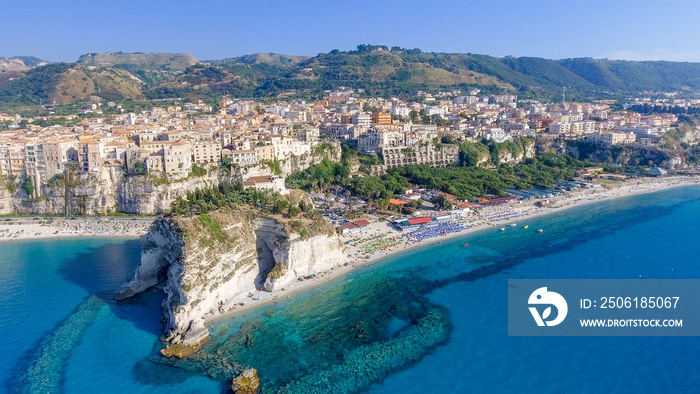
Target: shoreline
x=129 y=228
x=527 y=211
x=17 y=230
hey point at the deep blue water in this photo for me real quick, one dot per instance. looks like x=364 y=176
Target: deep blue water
x=43 y=284
x=358 y=329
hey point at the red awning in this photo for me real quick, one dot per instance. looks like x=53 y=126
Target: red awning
x=419 y=220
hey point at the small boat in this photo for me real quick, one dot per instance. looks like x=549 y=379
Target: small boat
x=540 y=231
x=513 y=224
x=503 y=229
x=526 y=226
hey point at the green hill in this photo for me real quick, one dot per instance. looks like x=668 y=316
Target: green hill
x=379 y=70
x=64 y=83
x=634 y=76
x=384 y=71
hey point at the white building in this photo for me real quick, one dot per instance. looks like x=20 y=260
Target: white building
x=401 y=111
x=362 y=119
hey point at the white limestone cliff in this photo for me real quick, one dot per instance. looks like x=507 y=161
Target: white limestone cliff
x=209 y=261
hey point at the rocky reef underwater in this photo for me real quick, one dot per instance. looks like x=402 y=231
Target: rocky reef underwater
x=340 y=339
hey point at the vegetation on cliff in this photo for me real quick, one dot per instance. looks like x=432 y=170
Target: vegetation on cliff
x=294 y=211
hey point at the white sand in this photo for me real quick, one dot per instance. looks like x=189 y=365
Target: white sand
x=23 y=229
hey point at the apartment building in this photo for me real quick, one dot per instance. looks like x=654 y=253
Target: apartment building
x=177 y=159
x=241 y=157
x=207 y=152
x=363 y=119
x=614 y=138
x=424 y=153
x=373 y=141
x=57 y=153
x=381 y=118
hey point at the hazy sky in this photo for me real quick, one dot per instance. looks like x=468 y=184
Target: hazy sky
x=617 y=29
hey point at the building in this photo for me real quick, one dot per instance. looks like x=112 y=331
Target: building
x=272 y=183
x=560 y=128
x=177 y=159
x=241 y=157
x=497 y=134
x=373 y=141
x=615 y=138
x=207 y=152
x=35 y=165
x=420 y=154
x=381 y=118
x=403 y=112
x=57 y=153
x=362 y=119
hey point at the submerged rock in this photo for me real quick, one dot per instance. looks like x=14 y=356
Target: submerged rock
x=246 y=383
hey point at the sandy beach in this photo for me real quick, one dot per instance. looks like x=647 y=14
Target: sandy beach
x=357 y=254
x=20 y=228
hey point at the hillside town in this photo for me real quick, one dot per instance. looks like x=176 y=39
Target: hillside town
x=170 y=141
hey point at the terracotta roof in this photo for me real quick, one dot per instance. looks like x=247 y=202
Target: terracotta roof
x=397 y=202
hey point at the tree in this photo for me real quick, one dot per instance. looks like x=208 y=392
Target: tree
x=28 y=186
x=415 y=204
x=11 y=184
x=139 y=168
x=69 y=182
x=441 y=202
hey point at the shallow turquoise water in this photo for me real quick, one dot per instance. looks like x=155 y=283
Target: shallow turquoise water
x=42 y=285
x=364 y=328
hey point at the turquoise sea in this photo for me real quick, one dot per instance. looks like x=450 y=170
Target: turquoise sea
x=428 y=320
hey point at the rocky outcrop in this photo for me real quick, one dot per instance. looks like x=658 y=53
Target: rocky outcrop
x=246 y=383
x=6 y=203
x=162 y=248
x=206 y=262
x=12 y=64
x=143 y=61
x=283 y=258
x=140 y=194
x=91 y=194
x=516 y=152
x=618 y=154
x=106 y=192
